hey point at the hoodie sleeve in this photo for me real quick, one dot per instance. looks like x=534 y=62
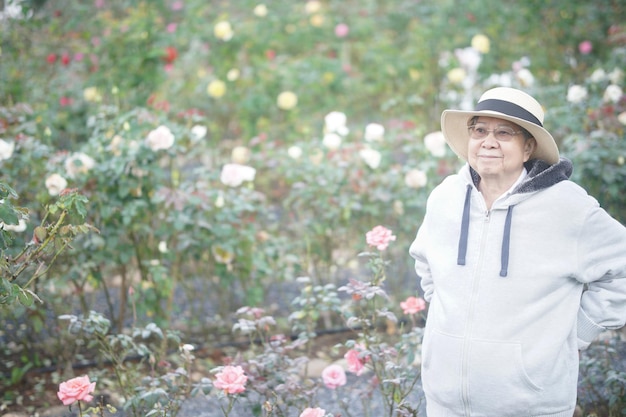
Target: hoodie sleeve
x=422 y=268
x=602 y=252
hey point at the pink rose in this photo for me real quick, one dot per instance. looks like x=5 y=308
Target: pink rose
x=231 y=379
x=342 y=30
x=313 y=412
x=413 y=305
x=380 y=237
x=76 y=389
x=355 y=359
x=585 y=47
x=334 y=376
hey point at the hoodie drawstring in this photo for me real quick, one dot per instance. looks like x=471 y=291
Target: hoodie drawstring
x=506 y=239
x=464 y=228
x=463 y=239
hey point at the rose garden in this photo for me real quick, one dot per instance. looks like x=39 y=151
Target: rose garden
x=206 y=207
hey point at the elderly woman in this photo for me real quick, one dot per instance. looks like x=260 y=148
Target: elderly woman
x=521 y=268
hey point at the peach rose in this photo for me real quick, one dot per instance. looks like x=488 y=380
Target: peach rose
x=76 y=389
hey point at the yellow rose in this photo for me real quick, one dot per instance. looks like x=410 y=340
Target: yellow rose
x=481 y=43
x=317 y=20
x=240 y=155
x=223 y=30
x=456 y=75
x=92 y=94
x=216 y=88
x=287 y=100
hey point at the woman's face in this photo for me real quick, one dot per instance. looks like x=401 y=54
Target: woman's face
x=497 y=149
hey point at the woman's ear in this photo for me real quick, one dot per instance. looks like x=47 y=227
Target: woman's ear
x=530 y=145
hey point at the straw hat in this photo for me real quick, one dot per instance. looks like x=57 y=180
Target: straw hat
x=504 y=103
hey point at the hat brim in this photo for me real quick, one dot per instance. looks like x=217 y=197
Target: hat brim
x=454 y=128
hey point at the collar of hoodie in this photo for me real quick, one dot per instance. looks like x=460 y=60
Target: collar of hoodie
x=540 y=175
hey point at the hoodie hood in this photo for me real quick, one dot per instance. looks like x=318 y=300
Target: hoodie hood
x=541 y=175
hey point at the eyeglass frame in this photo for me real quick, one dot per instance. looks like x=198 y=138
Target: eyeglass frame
x=472 y=124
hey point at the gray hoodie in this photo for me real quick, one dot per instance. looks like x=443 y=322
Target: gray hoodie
x=515 y=292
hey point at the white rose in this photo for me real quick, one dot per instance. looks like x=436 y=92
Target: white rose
x=415 y=178
x=616 y=76
x=335 y=122
x=525 y=77
x=371 y=157
x=597 y=76
x=374 y=132
x=622 y=118
x=294 y=152
x=576 y=93
x=160 y=138
x=55 y=184
x=78 y=163
x=435 y=142
x=613 y=93
x=234 y=175
x=6 y=149
x=332 y=141
x=198 y=132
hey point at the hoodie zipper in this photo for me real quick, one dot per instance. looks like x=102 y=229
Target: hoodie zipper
x=465 y=394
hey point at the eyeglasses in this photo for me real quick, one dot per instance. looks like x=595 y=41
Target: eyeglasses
x=501 y=133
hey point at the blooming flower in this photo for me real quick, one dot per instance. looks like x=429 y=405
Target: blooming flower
x=313 y=412
x=435 y=142
x=525 y=77
x=92 y=94
x=287 y=100
x=216 y=88
x=160 y=138
x=335 y=122
x=371 y=157
x=585 y=47
x=481 y=43
x=456 y=75
x=598 y=75
x=356 y=360
x=234 y=175
x=6 y=149
x=198 y=132
x=232 y=74
x=576 y=93
x=613 y=93
x=231 y=379
x=55 y=183
x=240 y=154
x=78 y=163
x=332 y=141
x=415 y=178
x=342 y=30
x=622 y=118
x=374 y=132
x=380 y=237
x=313 y=6
x=294 y=152
x=260 y=10
x=413 y=305
x=333 y=376
x=223 y=30
x=76 y=389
